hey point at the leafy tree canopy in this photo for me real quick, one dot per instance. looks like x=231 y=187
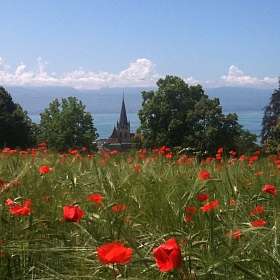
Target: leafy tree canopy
x=15 y=125
x=66 y=124
x=177 y=114
x=271 y=124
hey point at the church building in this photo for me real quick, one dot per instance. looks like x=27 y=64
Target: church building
x=121 y=135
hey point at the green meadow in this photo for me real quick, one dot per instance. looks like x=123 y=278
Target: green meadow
x=159 y=195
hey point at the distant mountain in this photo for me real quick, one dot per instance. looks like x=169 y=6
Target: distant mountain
x=239 y=99
x=108 y=100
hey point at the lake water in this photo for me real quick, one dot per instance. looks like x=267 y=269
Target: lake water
x=105 y=122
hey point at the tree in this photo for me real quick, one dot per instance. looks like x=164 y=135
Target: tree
x=270 y=135
x=177 y=114
x=66 y=124
x=15 y=125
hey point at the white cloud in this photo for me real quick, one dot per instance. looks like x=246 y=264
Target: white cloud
x=236 y=77
x=191 y=81
x=140 y=72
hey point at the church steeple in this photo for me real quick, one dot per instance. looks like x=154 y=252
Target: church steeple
x=121 y=133
x=123 y=117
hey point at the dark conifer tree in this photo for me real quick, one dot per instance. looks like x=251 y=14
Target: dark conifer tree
x=270 y=135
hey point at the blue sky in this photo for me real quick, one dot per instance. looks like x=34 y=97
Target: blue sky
x=92 y=43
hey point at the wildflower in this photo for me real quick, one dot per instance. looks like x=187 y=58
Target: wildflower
x=137 y=168
x=119 y=208
x=242 y=158
x=267 y=188
x=258 y=223
x=184 y=159
x=169 y=156
x=232 y=153
x=142 y=153
x=188 y=218
x=73 y=152
x=232 y=202
x=9 y=202
x=219 y=157
x=208 y=160
x=19 y=210
x=164 y=150
x=259 y=209
x=210 y=206
x=114 y=152
x=190 y=210
x=114 y=253
x=168 y=256
x=202 y=197
x=95 y=197
x=44 y=169
x=73 y=213
x=235 y=234
x=203 y=175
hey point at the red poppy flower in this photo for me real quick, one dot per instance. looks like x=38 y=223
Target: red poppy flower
x=114 y=253
x=267 y=188
x=203 y=175
x=168 y=256
x=210 y=206
x=188 y=218
x=258 y=223
x=232 y=202
x=169 y=156
x=119 y=208
x=164 y=150
x=190 y=210
x=73 y=213
x=259 y=209
x=219 y=157
x=95 y=197
x=9 y=202
x=232 y=153
x=137 y=168
x=235 y=234
x=20 y=210
x=73 y=152
x=44 y=169
x=202 y=197
x=114 y=152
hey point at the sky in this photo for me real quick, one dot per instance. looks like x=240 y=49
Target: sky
x=117 y=43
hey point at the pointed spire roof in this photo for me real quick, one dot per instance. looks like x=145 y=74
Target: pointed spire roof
x=114 y=133
x=123 y=117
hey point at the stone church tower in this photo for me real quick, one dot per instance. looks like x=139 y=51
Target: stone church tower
x=121 y=133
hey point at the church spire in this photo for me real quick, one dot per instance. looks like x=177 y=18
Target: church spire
x=123 y=117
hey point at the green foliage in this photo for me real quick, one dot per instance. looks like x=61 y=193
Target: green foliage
x=67 y=125
x=16 y=128
x=181 y=115
x=271 y=124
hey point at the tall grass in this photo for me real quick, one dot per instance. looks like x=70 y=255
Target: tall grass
x=44 y=246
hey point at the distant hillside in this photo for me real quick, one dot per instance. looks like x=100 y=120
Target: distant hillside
x=108 y=100
x=238 y=99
